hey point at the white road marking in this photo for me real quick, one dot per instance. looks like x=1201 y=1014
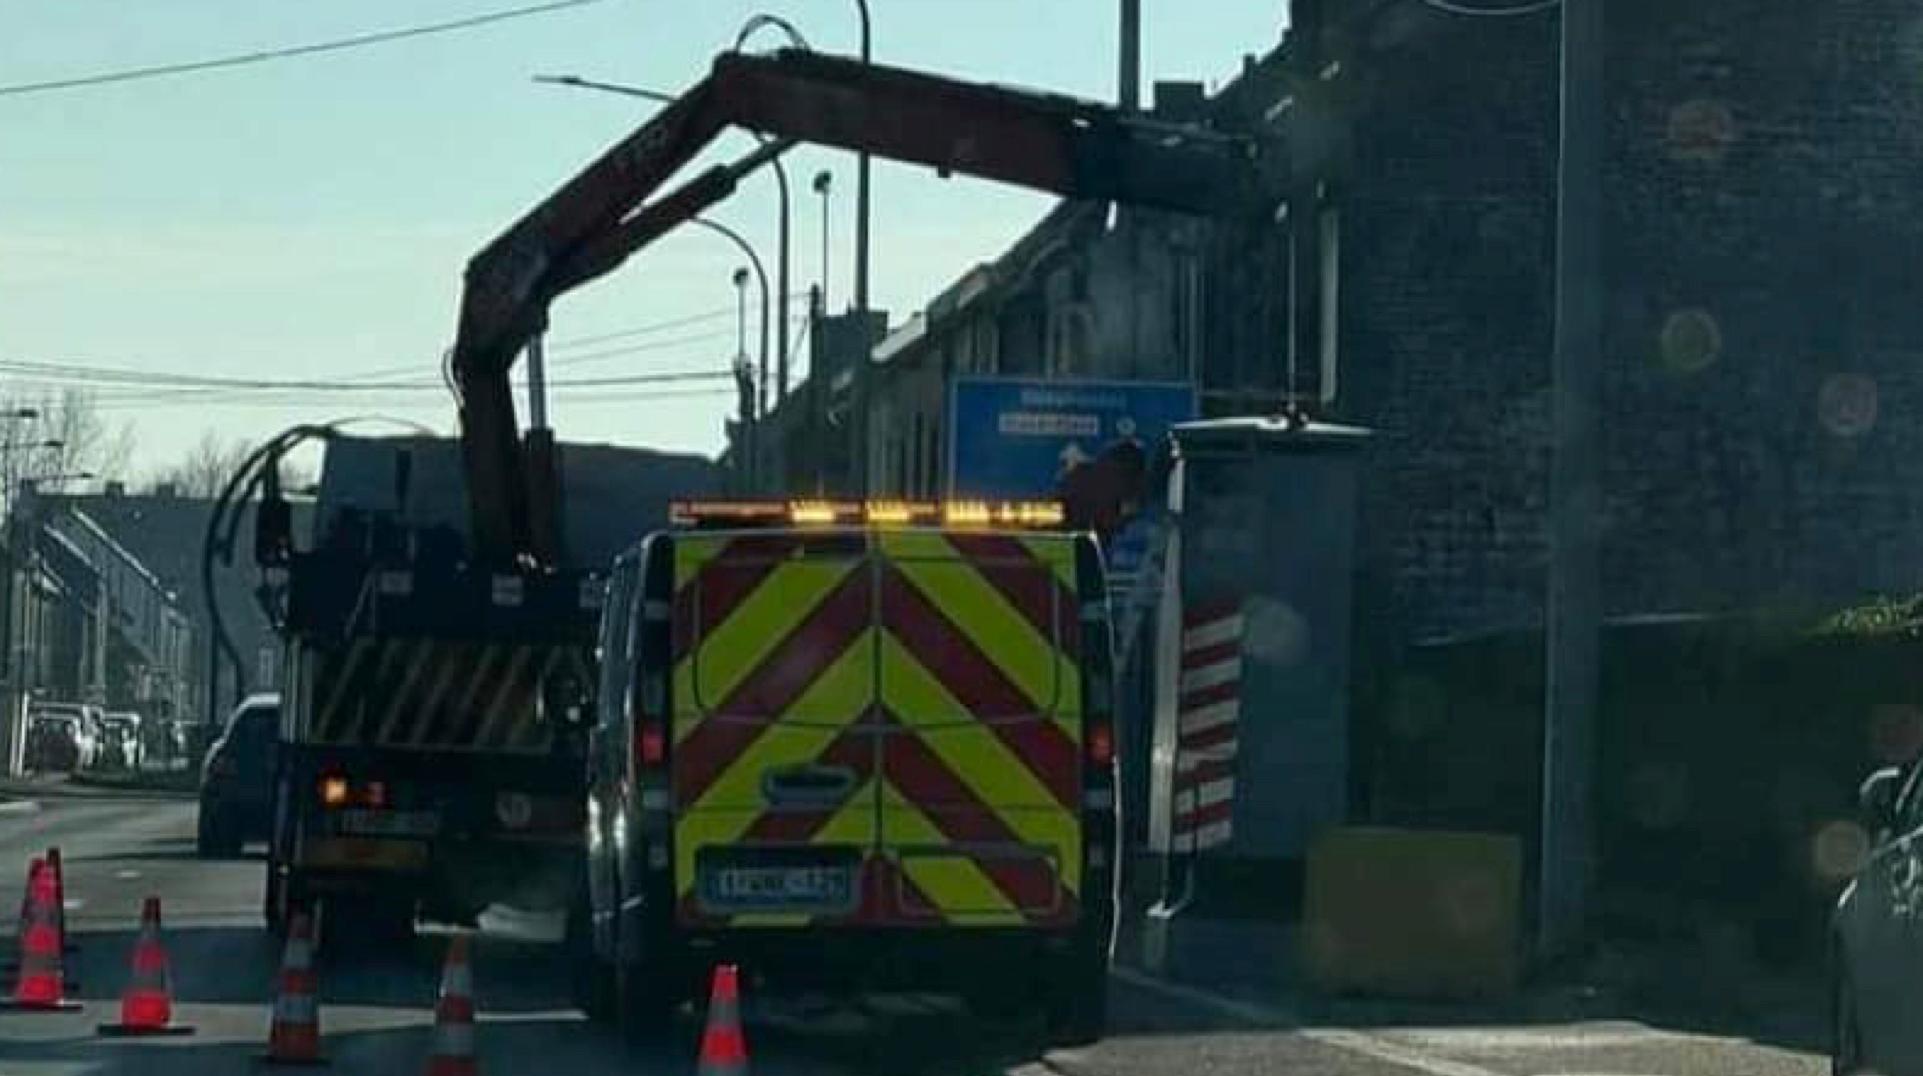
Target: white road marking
x=19 y=806
x=1356 y=1042
x=126 y=874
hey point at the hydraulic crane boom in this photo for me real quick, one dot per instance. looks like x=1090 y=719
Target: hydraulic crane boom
x=602 y=216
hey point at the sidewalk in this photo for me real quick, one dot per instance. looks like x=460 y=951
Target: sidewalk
x=1680 y=987
x=178 y=784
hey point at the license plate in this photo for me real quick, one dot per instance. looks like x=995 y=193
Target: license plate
x=389 y=823
x=777 y=888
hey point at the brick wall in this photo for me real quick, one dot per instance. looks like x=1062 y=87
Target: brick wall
x=1764 y=331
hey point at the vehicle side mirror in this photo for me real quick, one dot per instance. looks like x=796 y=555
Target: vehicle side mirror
x=1876 y=798
x=566 y=699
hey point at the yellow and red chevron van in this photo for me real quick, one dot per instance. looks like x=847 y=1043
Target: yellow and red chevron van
x=859 y=746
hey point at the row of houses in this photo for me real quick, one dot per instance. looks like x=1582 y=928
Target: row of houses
x=105 y=606
x=1762 y=340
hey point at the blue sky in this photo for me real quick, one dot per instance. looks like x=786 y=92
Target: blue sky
x=310 y=218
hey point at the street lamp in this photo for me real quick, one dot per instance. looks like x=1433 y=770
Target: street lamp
x=824 y=185
x=49 y=479
x=579 y=83
x=761 y=275
x=781 y=183
x=744 y=385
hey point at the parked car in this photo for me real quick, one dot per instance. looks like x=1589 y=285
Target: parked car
x=1875 y=945
x=237 y=780
x=124 y=736
x=86 y=729
x=53 y=743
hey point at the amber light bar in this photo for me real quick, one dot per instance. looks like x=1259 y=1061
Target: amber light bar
x=879 y=513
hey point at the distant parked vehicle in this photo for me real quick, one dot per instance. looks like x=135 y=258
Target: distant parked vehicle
x=53 y=744
x=127 y=748
x=237 y=781
x=86 y=729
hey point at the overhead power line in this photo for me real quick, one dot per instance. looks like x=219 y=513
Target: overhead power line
x=379 y=37
x=1454 y=7
x=100 y=375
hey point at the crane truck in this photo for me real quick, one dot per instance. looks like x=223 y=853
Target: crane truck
x=673 y=881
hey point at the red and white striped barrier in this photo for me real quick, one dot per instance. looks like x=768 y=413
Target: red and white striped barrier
x=1208 y=714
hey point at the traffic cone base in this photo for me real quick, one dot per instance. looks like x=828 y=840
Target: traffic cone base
x=59 y=1005
x=139 y=1031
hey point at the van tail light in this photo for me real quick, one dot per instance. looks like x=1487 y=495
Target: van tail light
x=1099 y=741
x=650 y=745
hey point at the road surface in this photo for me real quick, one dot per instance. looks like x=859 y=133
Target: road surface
x=377 y=1006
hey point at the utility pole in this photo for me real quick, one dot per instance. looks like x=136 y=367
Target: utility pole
x=864 y=347
x=1306 y=22
x=1573 y=617
x=816 y=445
x=1129 y=91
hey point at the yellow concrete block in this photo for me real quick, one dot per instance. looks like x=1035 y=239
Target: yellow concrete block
x=1413 y=914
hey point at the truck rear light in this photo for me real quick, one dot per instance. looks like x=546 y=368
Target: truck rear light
x=374 y=794
x=333 y=791
x=1099 y=741
x=651 y=745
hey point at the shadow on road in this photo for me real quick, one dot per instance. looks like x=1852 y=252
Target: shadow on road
x=928 y=1044
x=552 y=1045
x=237 y=965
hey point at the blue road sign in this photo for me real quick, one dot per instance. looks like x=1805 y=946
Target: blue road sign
x=1012 y=438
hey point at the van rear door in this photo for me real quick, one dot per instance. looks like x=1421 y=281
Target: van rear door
x=981 y=727
x=772 y=760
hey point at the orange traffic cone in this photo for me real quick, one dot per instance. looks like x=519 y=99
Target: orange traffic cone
x=454 y=1016
x=147 y=1005
x=294 y=1036
x=52 y=861
x=40 y=986
x=724 y=1051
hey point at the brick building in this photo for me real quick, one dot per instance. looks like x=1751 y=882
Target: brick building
x=1762 y=263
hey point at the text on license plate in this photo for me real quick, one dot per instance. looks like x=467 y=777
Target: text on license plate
x=389 y=823
x=777 y=887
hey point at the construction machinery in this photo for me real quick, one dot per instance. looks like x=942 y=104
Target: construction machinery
x=672 y=868
x=430 y=750
x=604 y=215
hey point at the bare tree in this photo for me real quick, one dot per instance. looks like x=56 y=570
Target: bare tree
x=207 y=467
x=59 y=434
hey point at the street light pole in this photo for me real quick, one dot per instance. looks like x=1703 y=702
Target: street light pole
x=824 y=186
x=1574 y=609
x=14 y=718
x=761 y=275
x=859 y=417
x=785 y=219
x=744 y=385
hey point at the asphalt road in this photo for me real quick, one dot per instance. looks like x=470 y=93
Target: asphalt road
x=377 y=1005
